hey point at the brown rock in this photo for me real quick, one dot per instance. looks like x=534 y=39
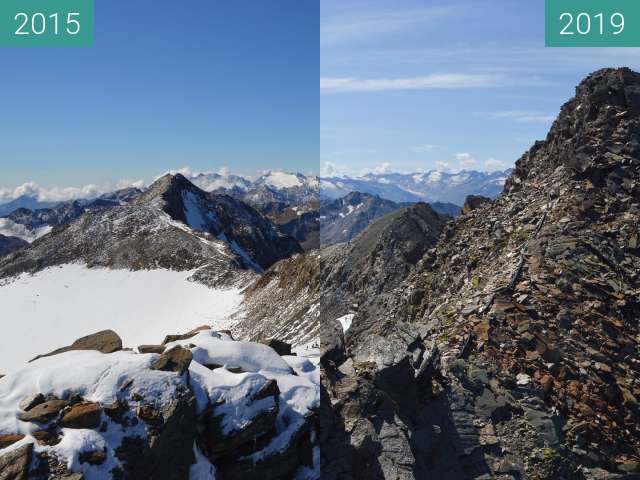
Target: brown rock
x=27 y=403
x=105 y=341
x=546 y=382
x=151 y=348
x=482 y=331
x=15 y=464
x=45 y=412
x=628 y=400
x=82 y=415
x=585 y=410
x=9 y=439
x=574 y=388
x=176 y=359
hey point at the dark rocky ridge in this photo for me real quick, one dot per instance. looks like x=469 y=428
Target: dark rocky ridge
x=10 y=244
x=344 y=218
x=377 y=259
x=221 y=216
x=511 y=350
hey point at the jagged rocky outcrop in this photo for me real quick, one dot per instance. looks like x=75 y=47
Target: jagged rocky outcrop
x=283 y=303
x=249 y=234
x=376 y=260
x=344 y=218
x=516 y=337
x=203 y=406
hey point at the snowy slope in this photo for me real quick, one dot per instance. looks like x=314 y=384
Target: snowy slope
x=57 y=305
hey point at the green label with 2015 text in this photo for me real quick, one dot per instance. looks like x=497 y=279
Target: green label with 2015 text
x=46 y=23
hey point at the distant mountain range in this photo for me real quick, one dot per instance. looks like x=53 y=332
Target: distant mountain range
x=430 y=186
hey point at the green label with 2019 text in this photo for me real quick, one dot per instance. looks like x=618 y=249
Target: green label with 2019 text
x=592 y=23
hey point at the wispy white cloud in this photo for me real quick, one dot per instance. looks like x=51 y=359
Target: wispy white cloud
x=522 y=116
x=347 y=27
x=425 y=82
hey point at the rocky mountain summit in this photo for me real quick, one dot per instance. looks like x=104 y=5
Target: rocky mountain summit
x=196 y=406
x=377 y=259
x=174 y=225
x=344 y=218
x=511 y=349
x=248 y=233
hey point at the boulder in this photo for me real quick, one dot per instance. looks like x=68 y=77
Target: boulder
x=223 y=445
x=14 y=465
x=44 y=412
x=105 y=341
x=82 y=415
x=168 y=453
x=176 y=359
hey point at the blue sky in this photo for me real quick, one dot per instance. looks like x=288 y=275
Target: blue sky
x=205 y=84
x=409 y=85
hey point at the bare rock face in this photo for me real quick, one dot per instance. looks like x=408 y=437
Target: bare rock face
x=168 y=454
x=106 y=341
x=14 y=465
